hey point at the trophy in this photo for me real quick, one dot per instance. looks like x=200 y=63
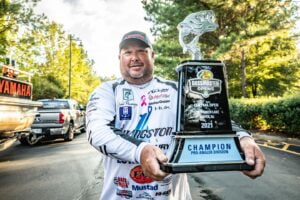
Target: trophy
x=204 y=139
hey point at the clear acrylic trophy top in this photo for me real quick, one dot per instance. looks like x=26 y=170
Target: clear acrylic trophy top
x=192 y=27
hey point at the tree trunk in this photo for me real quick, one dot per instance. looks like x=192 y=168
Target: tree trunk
x=243 y=73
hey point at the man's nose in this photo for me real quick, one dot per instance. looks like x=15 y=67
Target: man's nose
x=134 y=56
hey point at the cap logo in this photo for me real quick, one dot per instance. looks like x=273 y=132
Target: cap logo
x=135 y=36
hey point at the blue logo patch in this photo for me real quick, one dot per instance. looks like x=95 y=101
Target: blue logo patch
x=125 y=112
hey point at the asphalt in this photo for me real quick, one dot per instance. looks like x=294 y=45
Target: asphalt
x=281 y=143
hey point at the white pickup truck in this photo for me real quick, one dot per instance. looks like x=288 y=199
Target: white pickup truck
x=57 y=118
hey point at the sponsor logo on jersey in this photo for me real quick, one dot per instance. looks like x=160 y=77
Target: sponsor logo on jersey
x=159 y=102
x=144 y=187
x=121 y=182
x=125 y=162
x=142 y=124
x=145 y=195
x=163 y=146
x=125 y=112
x=158 y=96
x=164 y=193
x=146 y=134
x=158 y=90
x=127 y=94
x=138 y=176
x=124 y=193
x=127 y=104
x=162 y=107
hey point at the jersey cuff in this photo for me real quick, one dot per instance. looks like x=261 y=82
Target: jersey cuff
x=139 y=150
x=242 y=134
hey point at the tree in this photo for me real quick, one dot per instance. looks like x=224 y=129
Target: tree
x=246 y=40
x=13 y=15
x=49 y=55
x=47 y=88
x=43 y=48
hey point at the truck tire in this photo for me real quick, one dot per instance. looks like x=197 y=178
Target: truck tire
x=33 y=139
x=70 y=133
x=30 y=139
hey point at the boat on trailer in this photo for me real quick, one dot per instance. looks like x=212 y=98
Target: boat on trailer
x=17 y=109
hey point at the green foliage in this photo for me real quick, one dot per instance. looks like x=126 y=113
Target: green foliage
x=257 y=33
x=275 y=114
x=167 y=59
x=47 y=88
x=13 y=15
x=283 y=115
x=272 y=65
x=43 y=48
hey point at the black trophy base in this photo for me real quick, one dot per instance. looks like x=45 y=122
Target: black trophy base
x=204 y=167
x=206 y=153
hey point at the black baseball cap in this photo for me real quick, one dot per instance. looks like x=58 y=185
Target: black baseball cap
x=135 y=35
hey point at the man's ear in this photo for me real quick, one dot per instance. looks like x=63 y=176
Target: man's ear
x=119 y=56
x=152 y=54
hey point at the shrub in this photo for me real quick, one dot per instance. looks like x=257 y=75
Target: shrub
x=275 y=114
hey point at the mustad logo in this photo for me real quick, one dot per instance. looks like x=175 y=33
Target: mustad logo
x=144 y=187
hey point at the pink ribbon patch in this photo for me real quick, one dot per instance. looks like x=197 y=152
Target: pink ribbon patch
x=143 y=98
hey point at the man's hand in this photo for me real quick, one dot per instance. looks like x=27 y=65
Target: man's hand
x=151 y=156
x=254 y=156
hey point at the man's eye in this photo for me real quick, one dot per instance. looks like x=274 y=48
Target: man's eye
x=143 y=51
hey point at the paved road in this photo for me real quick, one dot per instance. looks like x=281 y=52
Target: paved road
x=281 y=180
x=58 y=170
x=72 y=171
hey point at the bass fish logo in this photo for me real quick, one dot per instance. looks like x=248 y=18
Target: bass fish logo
x=204 y=85
x=205 y=74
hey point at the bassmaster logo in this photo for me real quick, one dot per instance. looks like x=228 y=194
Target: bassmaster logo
x=204 y=84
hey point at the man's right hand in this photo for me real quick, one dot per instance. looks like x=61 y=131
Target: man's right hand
x=151 y=156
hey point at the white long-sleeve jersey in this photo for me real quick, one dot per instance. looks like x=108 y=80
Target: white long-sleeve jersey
x=123 y=118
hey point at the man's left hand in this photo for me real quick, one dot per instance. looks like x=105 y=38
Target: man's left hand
x=254 y=156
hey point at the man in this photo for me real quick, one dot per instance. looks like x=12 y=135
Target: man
x=131 y=121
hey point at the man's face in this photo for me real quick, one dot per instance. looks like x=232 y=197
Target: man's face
x=136 y=62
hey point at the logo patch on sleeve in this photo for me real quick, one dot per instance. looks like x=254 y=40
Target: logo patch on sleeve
x=125 y=112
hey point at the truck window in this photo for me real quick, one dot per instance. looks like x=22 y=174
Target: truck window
x=55 y=105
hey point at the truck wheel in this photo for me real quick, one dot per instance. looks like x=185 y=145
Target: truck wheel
x=30 y=139
x=70 y=133
x=33 y=139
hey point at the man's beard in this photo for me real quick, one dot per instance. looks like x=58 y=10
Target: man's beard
x=146 y=76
